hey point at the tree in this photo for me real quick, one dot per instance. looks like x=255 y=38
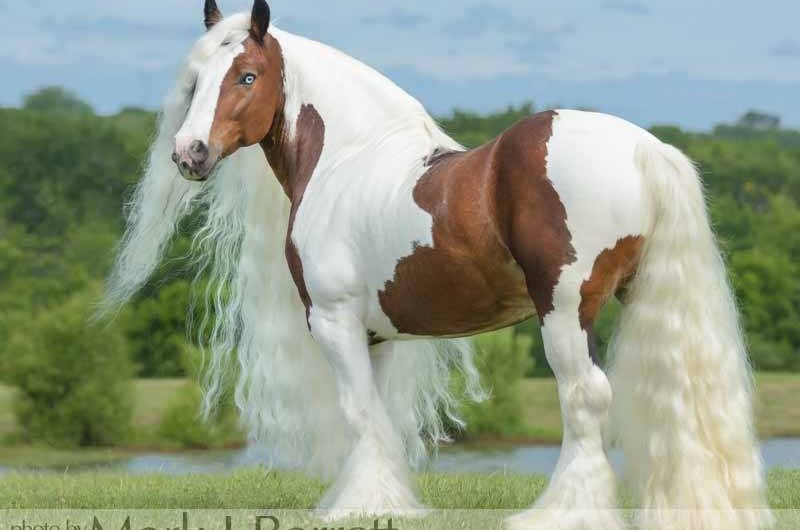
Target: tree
x=73 y=379
x=760 y=121
x=56 y=99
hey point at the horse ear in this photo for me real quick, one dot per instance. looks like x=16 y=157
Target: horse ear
x=260 y=20
x=212 y=13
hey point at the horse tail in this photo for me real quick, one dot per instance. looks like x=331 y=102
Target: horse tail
x=680 y=372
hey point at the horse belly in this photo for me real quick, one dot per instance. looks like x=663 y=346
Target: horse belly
x=442 y=294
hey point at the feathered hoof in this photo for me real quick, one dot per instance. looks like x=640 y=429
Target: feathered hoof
x=356 y=502
x=375 y=482
x=360 y=498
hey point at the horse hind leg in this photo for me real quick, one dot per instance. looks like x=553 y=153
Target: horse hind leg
x=581 y=494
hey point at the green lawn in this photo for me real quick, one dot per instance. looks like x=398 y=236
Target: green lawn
x=8 y=424
x=256 y=488
x=152 y=398
x=777 y=410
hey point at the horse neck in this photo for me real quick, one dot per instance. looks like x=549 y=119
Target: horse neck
x=347 y=93
x=356 y=104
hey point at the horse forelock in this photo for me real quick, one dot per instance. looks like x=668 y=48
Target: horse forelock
x=231 y=30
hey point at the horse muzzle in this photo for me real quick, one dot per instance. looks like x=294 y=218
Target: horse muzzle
x=195 y=162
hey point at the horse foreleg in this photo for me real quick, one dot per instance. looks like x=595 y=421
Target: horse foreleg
x=581 y=494
x=375 y=478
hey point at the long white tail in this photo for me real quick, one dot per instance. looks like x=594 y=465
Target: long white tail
x=681 y=377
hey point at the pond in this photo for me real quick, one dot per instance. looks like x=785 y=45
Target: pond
x=778 y=453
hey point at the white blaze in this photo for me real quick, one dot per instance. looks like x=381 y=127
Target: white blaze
x=200 y=117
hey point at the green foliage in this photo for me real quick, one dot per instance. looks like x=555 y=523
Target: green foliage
x=56 y=99
x=62 y=170
x=64 y=173
x=156 y=328
x=503 y=358
x=73 y=378
x=182 y=425
x=472 y=129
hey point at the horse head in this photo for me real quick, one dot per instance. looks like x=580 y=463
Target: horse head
x=237 y=93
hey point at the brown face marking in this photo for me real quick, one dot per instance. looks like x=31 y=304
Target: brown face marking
x=294 y=160
x=500 y=239
x=245 y=114
x=613 y=268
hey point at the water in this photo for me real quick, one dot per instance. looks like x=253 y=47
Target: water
x=778 y=453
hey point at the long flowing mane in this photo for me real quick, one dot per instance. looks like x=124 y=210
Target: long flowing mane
x=255 y=324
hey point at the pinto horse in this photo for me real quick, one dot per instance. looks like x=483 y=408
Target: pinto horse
x=351 y=245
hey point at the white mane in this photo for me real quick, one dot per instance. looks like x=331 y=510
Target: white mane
x=255 y=318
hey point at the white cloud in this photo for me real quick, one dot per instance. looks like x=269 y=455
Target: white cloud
x=577 y=42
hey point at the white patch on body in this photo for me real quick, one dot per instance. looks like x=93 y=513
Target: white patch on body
x=590 y=161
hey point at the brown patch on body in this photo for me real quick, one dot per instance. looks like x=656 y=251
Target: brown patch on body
x=613 y=268
x=538 y=235
x=500 y=239
x=294 y=160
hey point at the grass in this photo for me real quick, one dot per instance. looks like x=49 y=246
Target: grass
x=8 y=423
x=206 y=499
x=541 y=412
x=40 y=457
x=255 y=488
x=777 y=412
x=152 y=398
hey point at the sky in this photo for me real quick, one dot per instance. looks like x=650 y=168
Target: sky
x=685 y=62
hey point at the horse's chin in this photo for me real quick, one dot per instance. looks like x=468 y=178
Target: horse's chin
x=195 y=178
x=200 y=174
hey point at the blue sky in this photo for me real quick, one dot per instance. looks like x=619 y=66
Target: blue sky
x=673 y=61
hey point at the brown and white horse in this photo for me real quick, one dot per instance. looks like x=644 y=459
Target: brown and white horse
x=350 y=244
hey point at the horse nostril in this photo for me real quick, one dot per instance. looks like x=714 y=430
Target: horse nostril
x=185 y=165
x=175 y=157
x=198 y=151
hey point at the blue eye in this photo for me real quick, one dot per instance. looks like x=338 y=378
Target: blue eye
x=248 y=79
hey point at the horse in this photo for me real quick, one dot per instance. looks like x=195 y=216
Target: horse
x=352 y=248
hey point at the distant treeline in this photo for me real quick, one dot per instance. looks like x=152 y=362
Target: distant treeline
x=65 y=172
